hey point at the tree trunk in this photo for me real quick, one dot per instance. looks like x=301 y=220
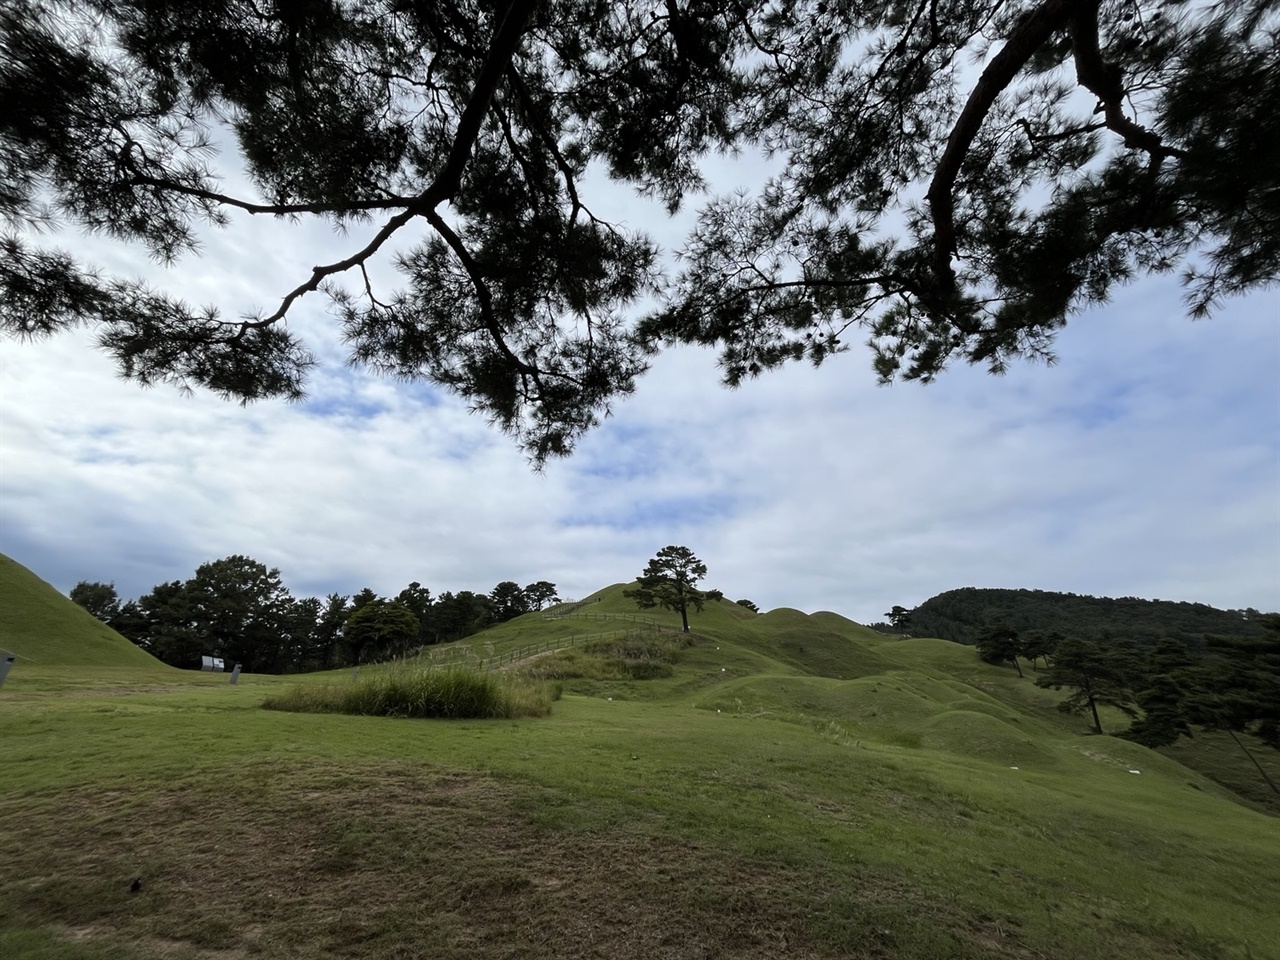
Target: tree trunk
x=1270 y=782
x=1018 y=665
x=684 y=615
x=1097 y=724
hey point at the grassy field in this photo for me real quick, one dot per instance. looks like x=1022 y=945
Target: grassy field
x=795 y=786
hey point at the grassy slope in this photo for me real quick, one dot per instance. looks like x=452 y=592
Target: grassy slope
x=44 y=628
x=753 y=805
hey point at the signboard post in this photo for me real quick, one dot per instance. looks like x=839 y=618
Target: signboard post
x=235 y=674
x=6 y=663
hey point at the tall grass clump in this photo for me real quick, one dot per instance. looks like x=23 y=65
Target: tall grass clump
x=450 y=693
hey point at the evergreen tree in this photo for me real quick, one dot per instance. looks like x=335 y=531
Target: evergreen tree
x=509 y=601
x=171 y=626
x=329 y=627
x=1240 y=685
x=1102 y=140
x=900 y=617
x=1162 y=690
x=417 y=599
x=670 y=580
x=1040 y=646
x=1096 y=675
x=1000 y=645
x=100 y=599
x=380 y=628
x=238 y=609
x=541 y=593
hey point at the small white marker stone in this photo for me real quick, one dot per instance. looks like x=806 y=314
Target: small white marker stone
x=1135 y=771
x=1013 y=768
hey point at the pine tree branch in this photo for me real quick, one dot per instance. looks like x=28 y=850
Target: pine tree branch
x=505 y=43
x=1106 y=82
x=483 y=294
x=1024 y=41
x=275 y=209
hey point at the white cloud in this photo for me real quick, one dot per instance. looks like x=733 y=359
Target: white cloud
x=1146 y=463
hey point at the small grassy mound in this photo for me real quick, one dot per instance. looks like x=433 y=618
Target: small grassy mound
x=453 y=693
x=984 y=737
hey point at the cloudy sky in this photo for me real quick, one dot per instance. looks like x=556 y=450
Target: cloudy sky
x=1145 y=463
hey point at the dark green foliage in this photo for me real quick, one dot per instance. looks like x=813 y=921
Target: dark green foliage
x=234 y=608
x=962 y=615
x=417 y=599
x=1165 y=681
x=1095 y=674
x=509 y=601
x=899 y=617
x=366 y=596
x=670 y=580
x=327 y=635
x=100 y=599
x=456 y=615
x=384 y=626
x=1040 y=646
x=1000 y=645
x=1103 y=141
x=538 y=595
x=237 y=609
x=1240 y=685
x=748 y=604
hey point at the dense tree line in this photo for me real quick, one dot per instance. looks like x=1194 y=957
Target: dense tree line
x=1167 y=689
x=238 y=609
x=966 y=614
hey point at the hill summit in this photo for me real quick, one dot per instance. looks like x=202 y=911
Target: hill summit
x=42 y=626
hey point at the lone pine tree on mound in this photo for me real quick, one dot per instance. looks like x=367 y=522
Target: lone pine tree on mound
x=900 y=617
x=670 y=581
x=1104 y=139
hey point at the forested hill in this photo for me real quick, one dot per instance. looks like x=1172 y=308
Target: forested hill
x=963 y=614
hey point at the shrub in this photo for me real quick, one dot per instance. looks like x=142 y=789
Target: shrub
x=451 y=693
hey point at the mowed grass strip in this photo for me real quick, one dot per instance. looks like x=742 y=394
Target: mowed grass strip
x=452 y=693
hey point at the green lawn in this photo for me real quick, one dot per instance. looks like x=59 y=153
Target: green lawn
x=795 y=788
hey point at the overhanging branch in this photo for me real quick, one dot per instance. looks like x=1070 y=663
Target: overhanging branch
x=1028 y=37
x=1106 y=82
x=505 y=43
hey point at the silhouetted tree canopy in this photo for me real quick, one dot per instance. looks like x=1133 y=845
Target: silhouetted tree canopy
x=939 y=211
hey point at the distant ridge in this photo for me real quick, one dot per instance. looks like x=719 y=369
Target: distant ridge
x=45 y=628
x=962 y=615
